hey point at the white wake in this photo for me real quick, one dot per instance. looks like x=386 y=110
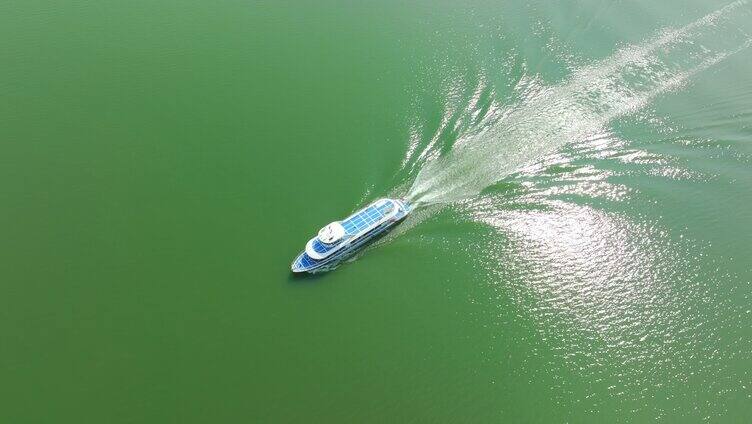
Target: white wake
x=548 y=117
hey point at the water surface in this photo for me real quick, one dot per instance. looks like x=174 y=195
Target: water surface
x=580 y=254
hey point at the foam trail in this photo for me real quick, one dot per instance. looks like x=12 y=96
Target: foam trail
x=546 y=118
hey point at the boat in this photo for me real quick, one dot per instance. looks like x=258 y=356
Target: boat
x=340 y=239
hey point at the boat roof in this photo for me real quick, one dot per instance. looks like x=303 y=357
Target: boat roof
x=356 y=224
x=367 y=217
x=360 y=222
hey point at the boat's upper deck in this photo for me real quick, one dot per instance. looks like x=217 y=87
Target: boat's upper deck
x=366 y=218
x=356 y=224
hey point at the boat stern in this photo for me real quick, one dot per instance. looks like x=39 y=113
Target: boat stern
x=403 y=207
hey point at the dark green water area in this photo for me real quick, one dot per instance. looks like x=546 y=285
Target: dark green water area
x=581 y=249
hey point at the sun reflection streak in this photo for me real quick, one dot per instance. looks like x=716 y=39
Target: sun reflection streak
x=607 y=288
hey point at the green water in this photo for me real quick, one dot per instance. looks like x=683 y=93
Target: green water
x=581 y=253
